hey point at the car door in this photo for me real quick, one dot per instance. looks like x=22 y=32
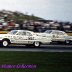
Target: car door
x=58 y=36
x=26 y=38
x=30 y=37
x=21 y=38
x=55 y=36
x=17 y=39
x=61 y=36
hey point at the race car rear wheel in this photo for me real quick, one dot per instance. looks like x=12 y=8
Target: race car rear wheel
x=5 y=43
x=67 y=42
x=36 y=44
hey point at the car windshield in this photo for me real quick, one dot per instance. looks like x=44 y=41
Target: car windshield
x=48 y=31
x=12 y=32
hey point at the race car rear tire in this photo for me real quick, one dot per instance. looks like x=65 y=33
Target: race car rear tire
x=67 y=42
x=5 y=43
x=36 y=44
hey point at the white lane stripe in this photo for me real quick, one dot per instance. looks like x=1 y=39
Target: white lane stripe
x=47 y=45
x=35 y=50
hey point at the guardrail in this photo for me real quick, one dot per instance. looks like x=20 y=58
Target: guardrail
x=69 y=34
x=3 y=32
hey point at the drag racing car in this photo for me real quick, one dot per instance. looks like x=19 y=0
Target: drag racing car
x=59 y=36
x=24 y=37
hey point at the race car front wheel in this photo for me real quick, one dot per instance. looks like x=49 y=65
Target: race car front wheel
x=5 y=43
x=36 y=44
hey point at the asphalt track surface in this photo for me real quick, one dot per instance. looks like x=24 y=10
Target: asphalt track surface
x=42 y=48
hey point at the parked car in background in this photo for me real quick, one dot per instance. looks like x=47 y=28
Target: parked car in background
x=24 y=37
x=59 y=36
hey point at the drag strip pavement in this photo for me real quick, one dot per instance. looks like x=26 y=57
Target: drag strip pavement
x=42 y=48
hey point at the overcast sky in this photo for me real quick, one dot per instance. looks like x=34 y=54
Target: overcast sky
x=47 y=9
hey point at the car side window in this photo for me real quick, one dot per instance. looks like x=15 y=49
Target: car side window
x=19 y=33
x=28 y=34
x=60 y=33
x=24 y=33
x=54 y=32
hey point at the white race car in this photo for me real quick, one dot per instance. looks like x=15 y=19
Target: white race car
x=59 y=36
x=24 y=37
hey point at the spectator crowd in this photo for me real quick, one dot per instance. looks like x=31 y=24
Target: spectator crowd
x=8 y=23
